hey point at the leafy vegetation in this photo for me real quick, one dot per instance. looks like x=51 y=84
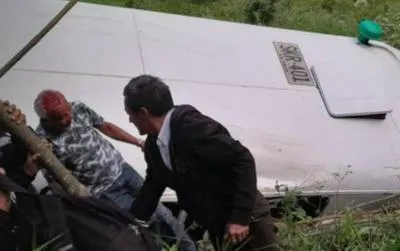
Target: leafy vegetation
x=350 y=230
x=338 y=17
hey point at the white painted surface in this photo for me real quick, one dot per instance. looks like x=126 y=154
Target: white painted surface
x=20 y=21
x=360 y=89
x=89 y=39
x=297 y=141
x=230 y=72
x=195 y=49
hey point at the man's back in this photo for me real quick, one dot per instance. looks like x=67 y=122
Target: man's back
x=84 y=151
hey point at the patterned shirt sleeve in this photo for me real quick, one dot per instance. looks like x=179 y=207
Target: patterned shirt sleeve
x=88 y=115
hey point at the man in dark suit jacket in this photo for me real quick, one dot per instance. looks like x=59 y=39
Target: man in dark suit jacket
x=213 y=175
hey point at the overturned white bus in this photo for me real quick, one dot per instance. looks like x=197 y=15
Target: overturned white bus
x=320 y=113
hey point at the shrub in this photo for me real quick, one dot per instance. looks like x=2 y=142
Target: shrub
x=260 y=11
x=390 y=22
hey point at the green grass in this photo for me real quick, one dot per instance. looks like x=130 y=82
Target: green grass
x=339 y=17
x=348 y=231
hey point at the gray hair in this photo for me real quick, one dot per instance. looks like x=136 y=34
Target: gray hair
x=47 y=99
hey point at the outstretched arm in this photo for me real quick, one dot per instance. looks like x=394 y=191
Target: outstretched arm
x=115 y=132
x=109 y=129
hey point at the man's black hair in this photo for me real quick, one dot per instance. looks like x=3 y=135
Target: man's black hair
x=148 y=92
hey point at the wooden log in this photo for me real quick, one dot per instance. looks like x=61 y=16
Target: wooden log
x=48 y=159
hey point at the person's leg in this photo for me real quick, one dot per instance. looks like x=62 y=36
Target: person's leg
x=163 y=222
x=120 y=191
x=166 y=224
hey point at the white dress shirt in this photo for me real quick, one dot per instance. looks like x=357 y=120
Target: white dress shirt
x=164 y=138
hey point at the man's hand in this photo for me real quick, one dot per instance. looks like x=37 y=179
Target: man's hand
x=2 y=172
x=141 y=144
x=14 y=113
x=48 y=144
x=31 y=164
x=117 y=133
x=236 y=233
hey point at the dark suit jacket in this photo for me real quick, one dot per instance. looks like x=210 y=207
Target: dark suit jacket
x=13 y=155
x=214 y=176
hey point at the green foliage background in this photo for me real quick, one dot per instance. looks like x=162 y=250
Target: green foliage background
x=338 y=17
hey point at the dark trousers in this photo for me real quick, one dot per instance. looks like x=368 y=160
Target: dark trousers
x=262 y=237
